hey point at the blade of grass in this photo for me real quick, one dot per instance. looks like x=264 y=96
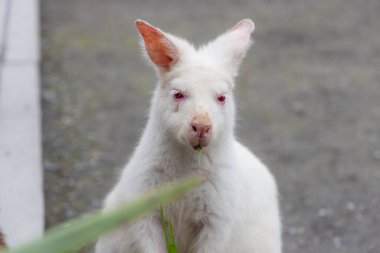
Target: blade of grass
x=170 y=245
x=174 y=247
x=199 y=151
x=163 y=222
x=79 y=232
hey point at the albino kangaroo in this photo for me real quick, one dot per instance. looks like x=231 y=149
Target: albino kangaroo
x=236 y=209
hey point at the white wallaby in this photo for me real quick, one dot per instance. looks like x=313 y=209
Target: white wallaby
x=236 y=209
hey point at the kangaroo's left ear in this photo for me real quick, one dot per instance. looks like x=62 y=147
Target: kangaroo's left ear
x=231 y=47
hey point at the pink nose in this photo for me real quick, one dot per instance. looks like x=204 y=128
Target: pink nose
x=200 y=131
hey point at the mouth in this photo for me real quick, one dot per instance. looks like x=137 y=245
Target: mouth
x=197 y=148
x=197 y=143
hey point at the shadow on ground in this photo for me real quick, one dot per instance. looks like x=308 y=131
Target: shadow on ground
x=308 y=98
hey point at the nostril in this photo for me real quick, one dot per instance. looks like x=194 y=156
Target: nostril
x=207 y=129
x=194 y=128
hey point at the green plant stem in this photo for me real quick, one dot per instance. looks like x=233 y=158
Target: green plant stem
x=199 y=151
x=164 y=228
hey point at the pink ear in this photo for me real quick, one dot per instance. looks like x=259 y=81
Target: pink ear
x=241 y=36
x=231 y=47
x=160 y=49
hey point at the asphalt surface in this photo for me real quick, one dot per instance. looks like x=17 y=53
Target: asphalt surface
x=308 y=101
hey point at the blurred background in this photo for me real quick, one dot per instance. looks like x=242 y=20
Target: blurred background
x=308 y=99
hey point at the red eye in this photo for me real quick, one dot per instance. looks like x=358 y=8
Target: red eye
x=221 y=99
x=178 y=95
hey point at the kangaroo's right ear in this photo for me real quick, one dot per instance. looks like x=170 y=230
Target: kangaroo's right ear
x=231 y=47
x=160 y=49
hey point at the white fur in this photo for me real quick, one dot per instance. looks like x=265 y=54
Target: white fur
x=236 y=210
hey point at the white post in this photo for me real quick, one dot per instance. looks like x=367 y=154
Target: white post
x=21 y=188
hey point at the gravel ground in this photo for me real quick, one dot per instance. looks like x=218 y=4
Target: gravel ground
x=308 y=95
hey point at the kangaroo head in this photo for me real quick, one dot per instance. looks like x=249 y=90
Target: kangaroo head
x=193 y=101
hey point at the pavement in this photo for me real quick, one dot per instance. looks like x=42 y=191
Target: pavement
x=21 y=194
x=308 y=104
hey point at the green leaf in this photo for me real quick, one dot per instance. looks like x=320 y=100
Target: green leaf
x=77 y=233
x=170 y=245
x=164 y=228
